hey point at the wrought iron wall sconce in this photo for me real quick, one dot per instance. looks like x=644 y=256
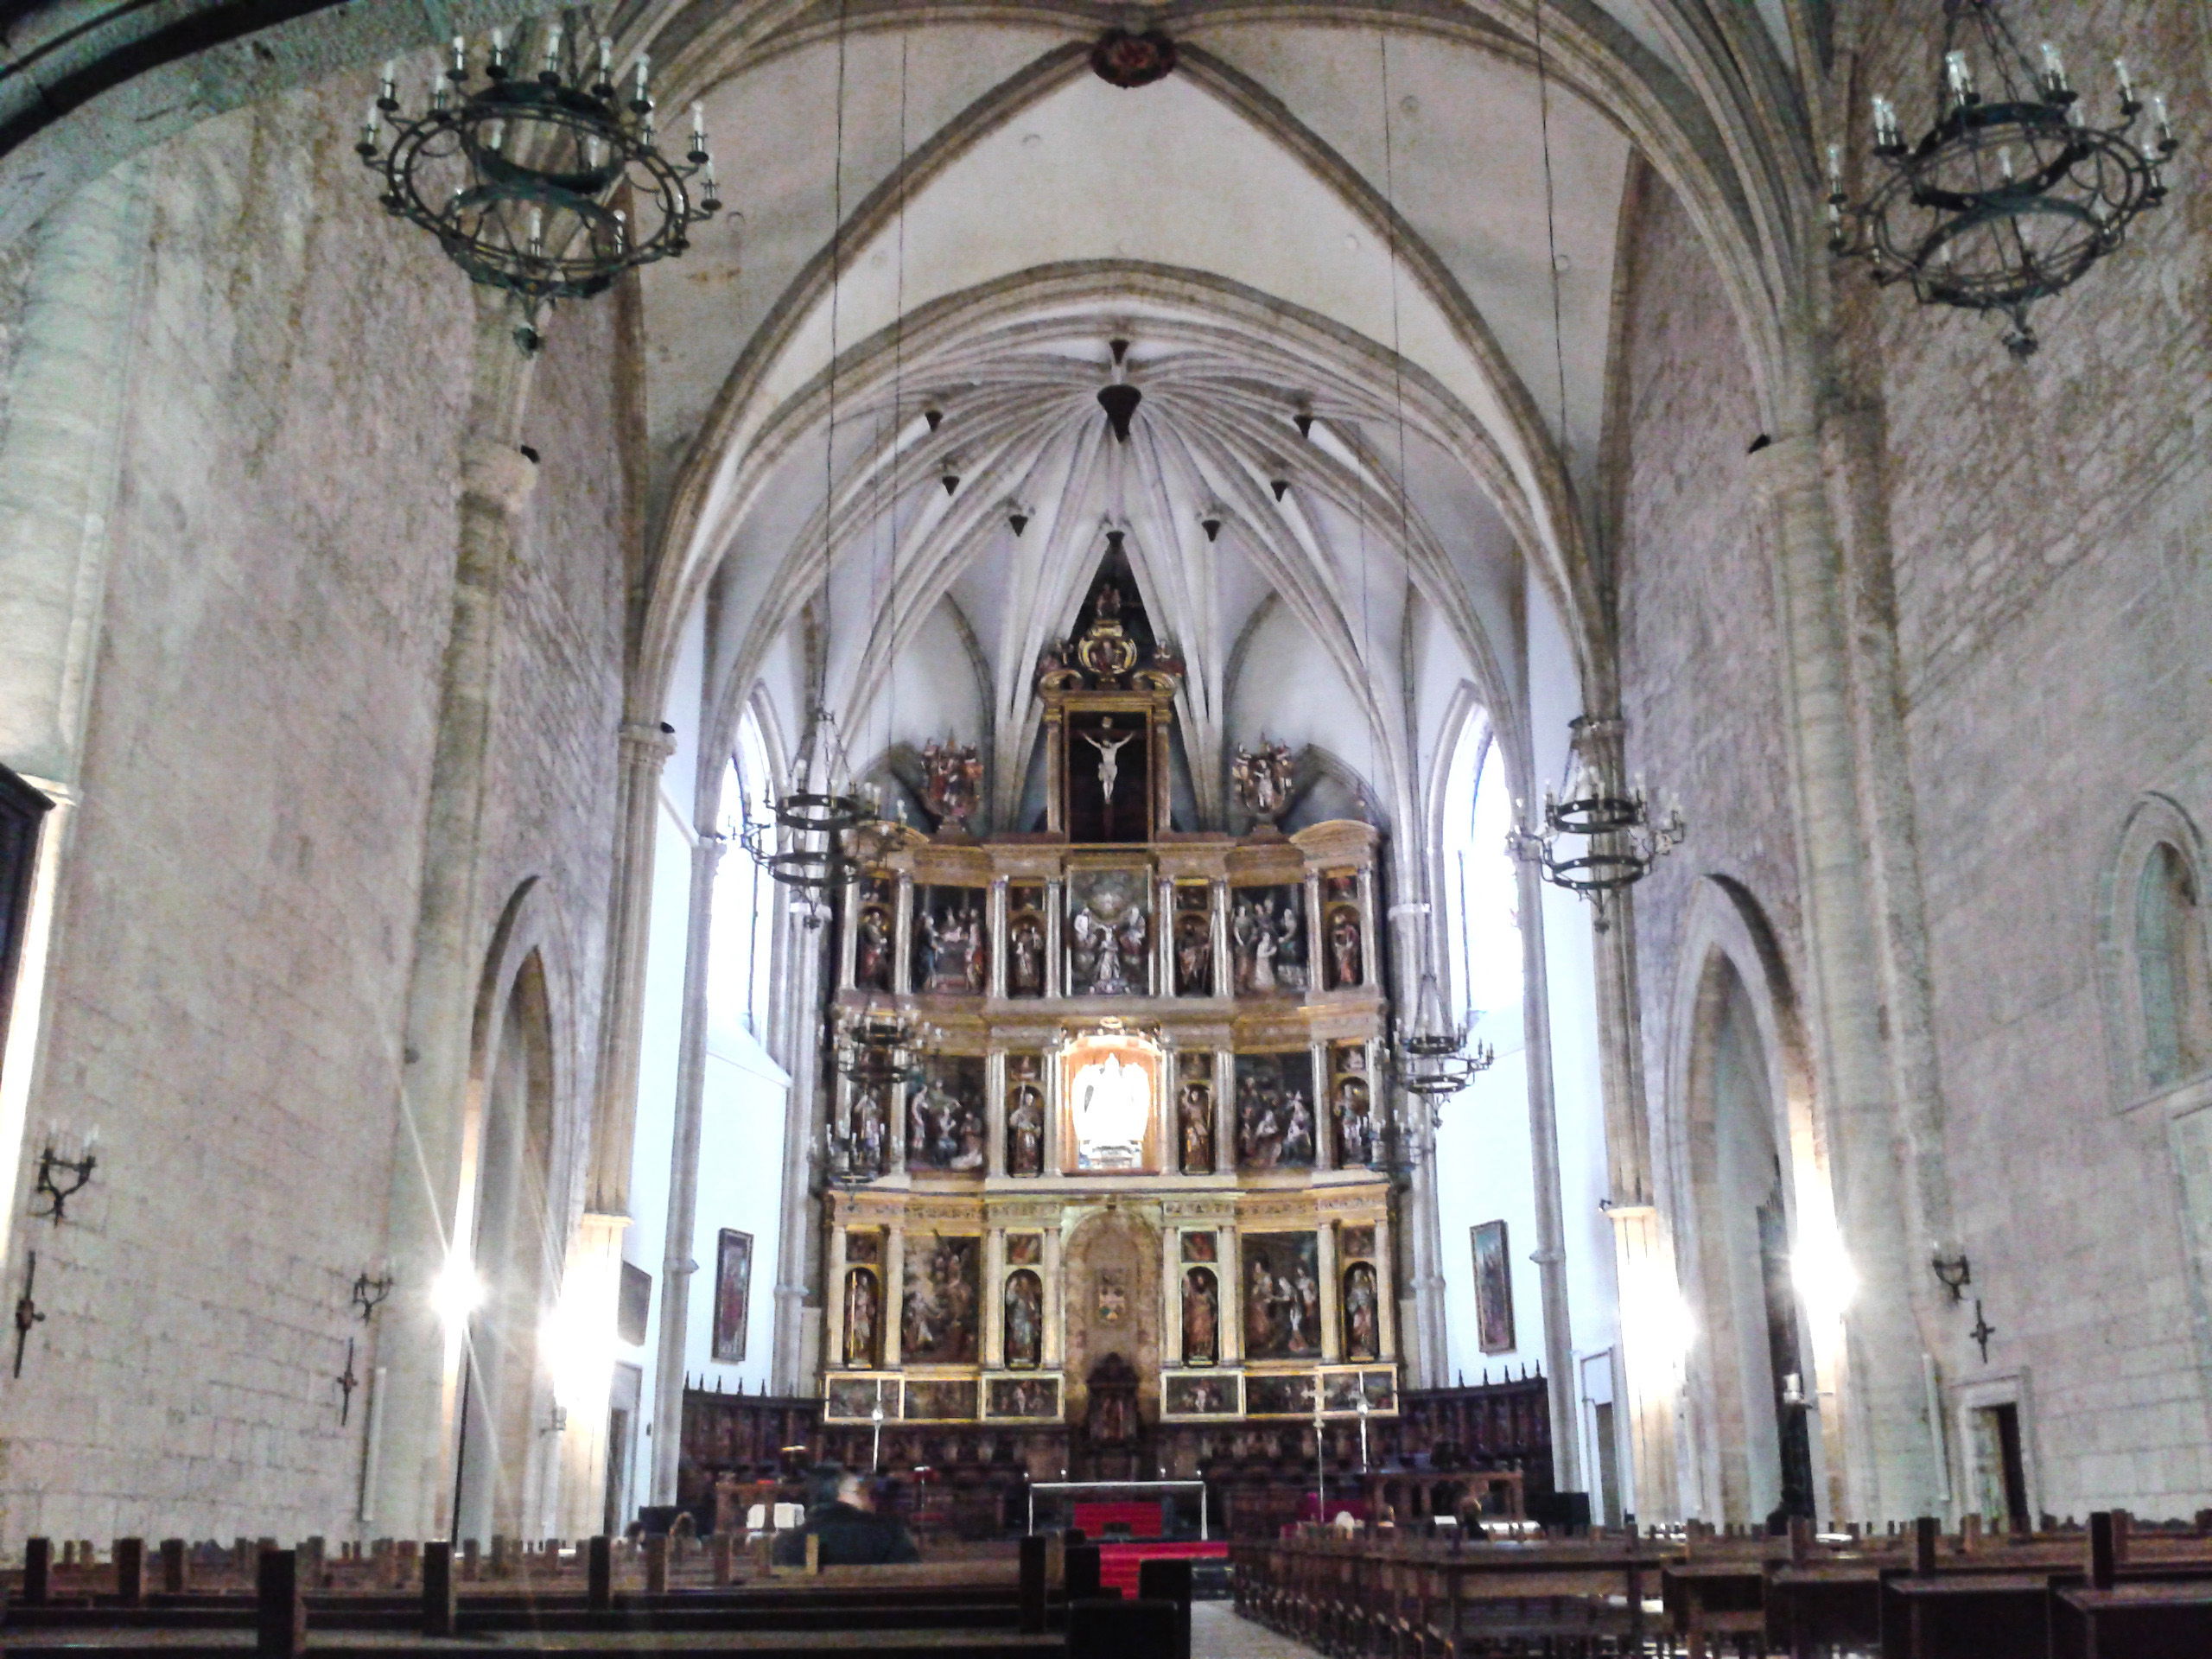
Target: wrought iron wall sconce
x=1955 y=1271
x=61 y=1179
x=369 y=1293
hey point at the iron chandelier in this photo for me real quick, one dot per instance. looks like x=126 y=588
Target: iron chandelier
x=548 y=185
x=1621 y=840
x=2011 y=195
x=1436 y=1058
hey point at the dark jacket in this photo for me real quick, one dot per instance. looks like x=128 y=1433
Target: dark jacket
x=850 y=1537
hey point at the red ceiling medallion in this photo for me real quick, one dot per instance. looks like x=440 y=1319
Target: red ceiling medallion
x=1122 y=59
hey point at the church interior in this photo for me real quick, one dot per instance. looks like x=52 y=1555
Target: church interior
x=1275 y=778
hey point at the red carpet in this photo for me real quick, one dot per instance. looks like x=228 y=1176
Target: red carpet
x=1117 y=1563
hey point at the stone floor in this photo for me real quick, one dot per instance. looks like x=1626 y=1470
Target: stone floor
x=1217 y=1633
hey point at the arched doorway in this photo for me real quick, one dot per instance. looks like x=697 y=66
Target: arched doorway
x=515 y=1250
x=1756 y=1361
x=1111 y=1276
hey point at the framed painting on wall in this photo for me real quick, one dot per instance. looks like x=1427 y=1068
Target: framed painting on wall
x=733 y=1295
x=1493 y=1288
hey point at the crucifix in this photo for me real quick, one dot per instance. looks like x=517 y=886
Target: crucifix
x=27 y=1314
x=1982 y=1331
x=346 y=1384
x=1110 y=760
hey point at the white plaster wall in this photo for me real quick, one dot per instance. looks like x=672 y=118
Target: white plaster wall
x=740 y=1186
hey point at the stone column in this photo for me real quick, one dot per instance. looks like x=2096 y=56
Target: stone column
x=1550 y=1254
x=1230 y=1250
x=430 y=1221
x=1332 y=1346
x=1224 y=967
x=678 y=1266
x=1324 y=1127
x=995 y=1073
x=1386 y=1292
x=1224 y=1112
x=894 y=1295
x=1890 y=1469
x=993 y=1351
x=61 y=447
x=833 y=1316
x=1170 y=1297
x=1055 y=1355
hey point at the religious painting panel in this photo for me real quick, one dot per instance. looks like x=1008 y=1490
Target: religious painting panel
x=1110 y=1081
x=939 y=1400
x=1356 y=1242
x=1201 y=1247
x=1025 y=1115
x=1352 y=1104
x=733 y=1294
x=1493 y=1288
x=1025 y=939
x=1024 y=1396
x=864 y=1245
x=1108 y=775
x=1201 y=1317
x=1025 y=1249
x=1343 y=928
x=1025 y=1320
x=855 y=1398
x=938 y=1323
x=951 y=944
x=1110 y=933
x=945 y=1122
x=1267 y=939
x=1200 y=1396
x=1362 y=1312
x=1193 y=938
x=1282 y=1296
x=1342 y=1390
x=1194 y=1114
x=1278 y=1396
x=863 y=1318
x=875 y=932
x=1274 y=1118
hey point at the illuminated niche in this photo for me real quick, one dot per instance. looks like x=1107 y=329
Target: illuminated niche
x=1110 y=1082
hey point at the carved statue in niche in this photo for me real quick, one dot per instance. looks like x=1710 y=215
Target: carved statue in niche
x=1025 y=1321
x=946 y=1124
x=1201 y=1317
x=871 y=1128
x=1025 y=946
x=862 y=1308
x=1109 y=934
x=1194 y=1124
x=1355 y=1123
x=1193 y=954
x=1025 y=1121
x=1362 y=1330
x=1263 y=779
x=872 y=950
x=937 y=1323
x=1344 y=948
x=952 y=782
x=951 y=944
x=1266 y=940
x=1282 y=1296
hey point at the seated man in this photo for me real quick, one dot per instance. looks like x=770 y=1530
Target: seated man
x=842 y=1514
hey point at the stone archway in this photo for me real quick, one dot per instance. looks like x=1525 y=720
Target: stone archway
x=1110 y=1278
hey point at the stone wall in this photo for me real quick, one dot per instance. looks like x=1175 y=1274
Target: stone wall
x=236 y=929
x=2046 y=525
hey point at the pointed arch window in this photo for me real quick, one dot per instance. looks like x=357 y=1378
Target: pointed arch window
x=2174 y=973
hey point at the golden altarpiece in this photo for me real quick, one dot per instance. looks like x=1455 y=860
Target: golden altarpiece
x=1136 y=1189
